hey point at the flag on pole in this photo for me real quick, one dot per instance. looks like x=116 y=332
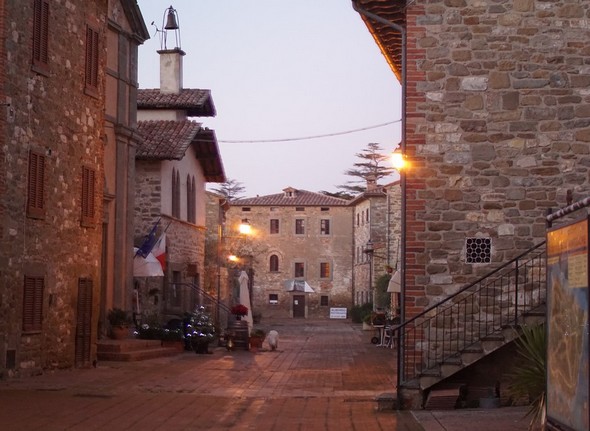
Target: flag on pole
x=159 y=251
x=148 y=242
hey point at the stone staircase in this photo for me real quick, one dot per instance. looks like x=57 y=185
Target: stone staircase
x=470 y=325
x=131 y=349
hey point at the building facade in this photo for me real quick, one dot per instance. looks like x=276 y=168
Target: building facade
x=173 y=163
x=495 y=125
x=300 y=252
x=53 y=61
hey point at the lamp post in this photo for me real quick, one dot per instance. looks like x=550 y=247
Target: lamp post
x=369 y=250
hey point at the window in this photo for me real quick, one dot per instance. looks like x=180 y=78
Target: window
x=325 y=209
x=358 y=219
x=324 y=269
x=299 y=209
x=245 y=209
x=191 y=200
x=36 y=186
x=324 y=227
x=367 y=215
x=324 y=300
x=41 y=36
x=273 y=298
x=299 y=269
x=299 y=226
x=33 y=303
x=88 y=196
x=273 y=263
x=91 y=59
x=478 y=250
x=175 y=289
x=274 y=226
x=175 y=193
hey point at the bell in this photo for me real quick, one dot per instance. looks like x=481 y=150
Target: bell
x=171 y=23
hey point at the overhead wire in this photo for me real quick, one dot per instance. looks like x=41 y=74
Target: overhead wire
x=305 y=138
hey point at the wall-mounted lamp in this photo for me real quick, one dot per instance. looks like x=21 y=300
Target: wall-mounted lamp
x=398 y=160
x=245 y=228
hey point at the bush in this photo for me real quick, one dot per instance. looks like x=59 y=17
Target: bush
x=359 y=312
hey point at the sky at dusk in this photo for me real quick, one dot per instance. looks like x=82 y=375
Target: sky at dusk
x=279 y=70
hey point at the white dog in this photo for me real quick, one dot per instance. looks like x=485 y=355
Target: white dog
x=273 y=340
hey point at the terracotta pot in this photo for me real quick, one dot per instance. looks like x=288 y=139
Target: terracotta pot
x=119 y=332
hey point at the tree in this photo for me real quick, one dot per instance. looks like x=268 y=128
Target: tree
x=371 y=167
x=231 y=189
x=340 y=195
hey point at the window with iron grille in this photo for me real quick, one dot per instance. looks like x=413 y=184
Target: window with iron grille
x=324 y=301
x=91 y=81
x=478 y=250
x=36 y=186
x=299 y=269
x=33 y=303
x=274 y=226
x=325 y=270
x=274 y=263
x=299 y=226
x=88 y=196
x=41 y=36
x=324 y=227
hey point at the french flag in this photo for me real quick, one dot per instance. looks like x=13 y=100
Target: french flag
x=159 y=251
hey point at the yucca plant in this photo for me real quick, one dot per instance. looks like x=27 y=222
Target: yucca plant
x=529 y=375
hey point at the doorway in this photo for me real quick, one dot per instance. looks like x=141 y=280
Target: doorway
x=299 y=306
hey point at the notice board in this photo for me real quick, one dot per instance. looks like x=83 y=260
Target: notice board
x=568 y=375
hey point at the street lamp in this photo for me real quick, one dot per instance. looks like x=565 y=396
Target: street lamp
x=369 y=250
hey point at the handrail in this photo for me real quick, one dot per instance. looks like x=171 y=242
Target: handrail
x=476 y=311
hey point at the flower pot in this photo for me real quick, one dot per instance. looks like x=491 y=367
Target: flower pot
x=119 y=332
x=201 y=347
x=256 y=342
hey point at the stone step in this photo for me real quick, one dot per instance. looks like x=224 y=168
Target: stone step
x=133 y=350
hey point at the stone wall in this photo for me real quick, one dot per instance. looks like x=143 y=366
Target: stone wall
x=50 y=113
x=497 y=132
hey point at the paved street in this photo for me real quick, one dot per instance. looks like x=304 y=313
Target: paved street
x=324 y=376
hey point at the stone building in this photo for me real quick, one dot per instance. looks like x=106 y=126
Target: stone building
x=495 y=128
x=174 y=162
x=125 y=30
x=55 y=157
x=300 y=252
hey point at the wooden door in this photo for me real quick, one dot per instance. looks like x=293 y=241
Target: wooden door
x=299 y=306
x=84 y=322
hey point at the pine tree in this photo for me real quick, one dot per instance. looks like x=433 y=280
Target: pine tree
x=231 y=189
x=371 y=167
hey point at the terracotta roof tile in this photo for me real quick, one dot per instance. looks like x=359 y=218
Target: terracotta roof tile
x=165 y=140
x=197 y=103
x=299 y=198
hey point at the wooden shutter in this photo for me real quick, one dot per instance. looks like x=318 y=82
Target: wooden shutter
x=33 y=303
x=84 y=322
x=91 y=58
x=36 y=186
x=41 y=34
x=88 y=197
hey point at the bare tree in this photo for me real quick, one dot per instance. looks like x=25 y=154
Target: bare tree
x=231 y=189
x=371 y=167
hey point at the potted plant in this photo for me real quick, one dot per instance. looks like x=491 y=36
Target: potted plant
x=239 y=310
x=119 y=321
x=257 y=338
x=200 y=330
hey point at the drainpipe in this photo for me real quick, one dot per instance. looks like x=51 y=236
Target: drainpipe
x=402 y=173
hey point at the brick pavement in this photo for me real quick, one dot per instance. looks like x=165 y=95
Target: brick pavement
x=324 y=376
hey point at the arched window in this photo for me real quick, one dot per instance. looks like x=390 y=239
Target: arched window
x=274 y=263
x=191 y=213
x=175 y=193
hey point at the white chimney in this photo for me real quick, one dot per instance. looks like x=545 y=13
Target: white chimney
x=171 y=70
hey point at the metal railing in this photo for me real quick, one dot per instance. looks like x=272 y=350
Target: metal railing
x=479 y=310
x=201 y=298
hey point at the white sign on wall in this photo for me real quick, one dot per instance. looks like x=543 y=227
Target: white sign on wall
x=338 y=313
